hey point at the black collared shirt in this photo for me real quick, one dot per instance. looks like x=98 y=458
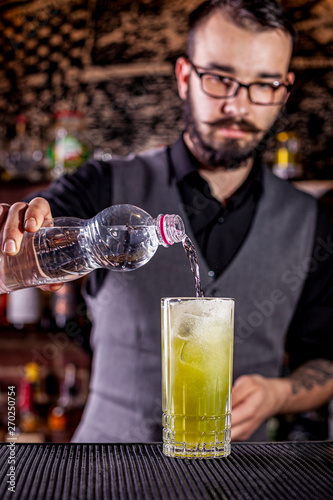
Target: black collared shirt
x=218 y=230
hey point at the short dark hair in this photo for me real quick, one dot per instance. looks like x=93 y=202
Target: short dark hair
x=258 y=15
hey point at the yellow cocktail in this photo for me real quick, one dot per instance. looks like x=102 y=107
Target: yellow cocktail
x=197 y=349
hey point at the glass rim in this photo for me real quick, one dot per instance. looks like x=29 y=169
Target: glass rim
x=179 y=299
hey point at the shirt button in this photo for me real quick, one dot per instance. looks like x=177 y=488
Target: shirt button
x=220 y=220
x=211 y=274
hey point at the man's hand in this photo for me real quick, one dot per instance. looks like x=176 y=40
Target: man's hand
x=254 y=400
x=20 y=217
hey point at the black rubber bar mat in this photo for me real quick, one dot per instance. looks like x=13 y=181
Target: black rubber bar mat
x=299 y=470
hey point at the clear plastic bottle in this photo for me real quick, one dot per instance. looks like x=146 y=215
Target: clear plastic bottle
x=120 y=238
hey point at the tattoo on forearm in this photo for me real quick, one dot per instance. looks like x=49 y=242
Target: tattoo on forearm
x=315 y=372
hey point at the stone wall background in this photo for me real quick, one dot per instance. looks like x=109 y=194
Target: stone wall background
x=114 y=61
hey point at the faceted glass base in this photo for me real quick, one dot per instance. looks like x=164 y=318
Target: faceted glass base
x=181 y=450
x=196 y=437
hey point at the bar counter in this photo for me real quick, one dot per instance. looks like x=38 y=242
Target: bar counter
x=288 y=470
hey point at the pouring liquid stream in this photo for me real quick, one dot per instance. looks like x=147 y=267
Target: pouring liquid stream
x=193 y=259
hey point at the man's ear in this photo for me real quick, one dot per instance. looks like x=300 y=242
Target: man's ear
x=183 y=69
x=290 y=80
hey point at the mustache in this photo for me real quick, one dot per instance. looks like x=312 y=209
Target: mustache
x=229 y=122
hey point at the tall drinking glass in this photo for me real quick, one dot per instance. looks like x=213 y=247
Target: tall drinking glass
x=197 y=356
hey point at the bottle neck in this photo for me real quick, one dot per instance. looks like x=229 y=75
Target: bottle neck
x=170 y=229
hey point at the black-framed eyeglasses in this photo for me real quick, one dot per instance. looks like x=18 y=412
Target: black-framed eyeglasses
x=222 y=86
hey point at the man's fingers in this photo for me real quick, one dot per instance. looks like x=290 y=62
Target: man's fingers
x=242 y=388
x=240 y=414
x=19 y=217
x=240 y=432
x=4 y=208
x=246 y=416
x=52 y=287
x=13 y=228
x=37 y=213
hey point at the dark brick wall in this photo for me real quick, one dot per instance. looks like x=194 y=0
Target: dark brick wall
x=114 y=60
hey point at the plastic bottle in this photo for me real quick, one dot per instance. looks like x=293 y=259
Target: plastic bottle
x=120 y=238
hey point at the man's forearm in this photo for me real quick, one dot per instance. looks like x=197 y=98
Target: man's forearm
x=308 y=387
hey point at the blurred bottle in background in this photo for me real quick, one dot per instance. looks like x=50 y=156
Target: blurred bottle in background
x=24 y=157
x=29 y=394
x=3 y=154
x=68 y=149
x=288 y=161
x=24 y=308
x=65 y=415
x=3 y=310
x=69 y=389
x=64 y=304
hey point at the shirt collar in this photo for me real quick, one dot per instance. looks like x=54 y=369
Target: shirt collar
x=183 y=163
x=182 y=160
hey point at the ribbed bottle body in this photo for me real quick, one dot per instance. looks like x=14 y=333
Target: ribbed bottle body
x=121 y=247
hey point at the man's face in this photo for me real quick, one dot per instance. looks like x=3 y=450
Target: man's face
x=225 y=132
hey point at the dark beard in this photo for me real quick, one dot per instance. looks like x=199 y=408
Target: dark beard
x=231 y=155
